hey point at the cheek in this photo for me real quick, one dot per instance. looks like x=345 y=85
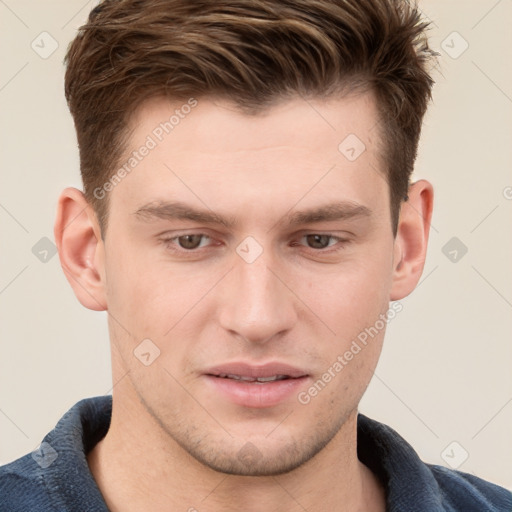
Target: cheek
x=352 y=305
x=352 y=297
x=153 y=299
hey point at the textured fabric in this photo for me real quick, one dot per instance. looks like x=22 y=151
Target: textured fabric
x=56 y=477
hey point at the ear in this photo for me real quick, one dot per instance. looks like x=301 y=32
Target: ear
x=412 y=239
x=81 y=250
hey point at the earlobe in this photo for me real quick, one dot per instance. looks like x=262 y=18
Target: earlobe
x=78 y=239
x=412 y=239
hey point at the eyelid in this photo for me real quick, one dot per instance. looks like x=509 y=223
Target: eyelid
x=330 y=235
x=169 y=238
x=341 y=242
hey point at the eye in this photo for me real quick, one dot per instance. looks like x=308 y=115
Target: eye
x=319 y=241
x=188 y=242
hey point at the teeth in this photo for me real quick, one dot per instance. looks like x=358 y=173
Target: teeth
x=240 y=377
x=253 y=379
x=270 y=379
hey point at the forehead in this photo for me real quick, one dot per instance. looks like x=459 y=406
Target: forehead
x=214 y=154
x=222 y=126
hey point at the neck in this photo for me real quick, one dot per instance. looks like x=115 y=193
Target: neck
x=139 y=467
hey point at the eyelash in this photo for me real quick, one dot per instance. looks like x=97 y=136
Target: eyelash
x=169 y=243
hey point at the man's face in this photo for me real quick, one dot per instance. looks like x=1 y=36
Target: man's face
x=270 y=291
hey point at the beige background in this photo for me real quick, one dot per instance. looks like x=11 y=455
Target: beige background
x=445 y=374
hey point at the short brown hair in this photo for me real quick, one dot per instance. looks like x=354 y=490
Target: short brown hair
x=254 y=53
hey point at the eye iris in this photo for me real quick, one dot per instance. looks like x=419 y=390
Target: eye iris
x=318 y=241
x=190 y=241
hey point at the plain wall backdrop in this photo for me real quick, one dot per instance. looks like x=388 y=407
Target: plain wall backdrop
x=444 y=381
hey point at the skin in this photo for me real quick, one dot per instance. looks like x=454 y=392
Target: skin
x=174 y=442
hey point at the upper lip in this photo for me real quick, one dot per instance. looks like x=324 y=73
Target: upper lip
x=256 y=370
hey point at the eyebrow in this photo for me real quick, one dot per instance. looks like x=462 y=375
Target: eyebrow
x=176 y=210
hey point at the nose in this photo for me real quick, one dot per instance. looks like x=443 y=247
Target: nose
x=257 y=305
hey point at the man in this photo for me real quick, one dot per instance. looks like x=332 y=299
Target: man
x=247 y=217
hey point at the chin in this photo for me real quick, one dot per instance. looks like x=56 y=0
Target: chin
x=251 y=461
x=260 y=456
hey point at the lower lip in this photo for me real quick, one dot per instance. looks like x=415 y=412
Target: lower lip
x=257 y=395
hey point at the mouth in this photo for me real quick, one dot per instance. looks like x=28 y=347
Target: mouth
x=247 y=372
x=256 y=380
x=256 y=386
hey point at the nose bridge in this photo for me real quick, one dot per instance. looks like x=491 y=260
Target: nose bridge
x=258 y=305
